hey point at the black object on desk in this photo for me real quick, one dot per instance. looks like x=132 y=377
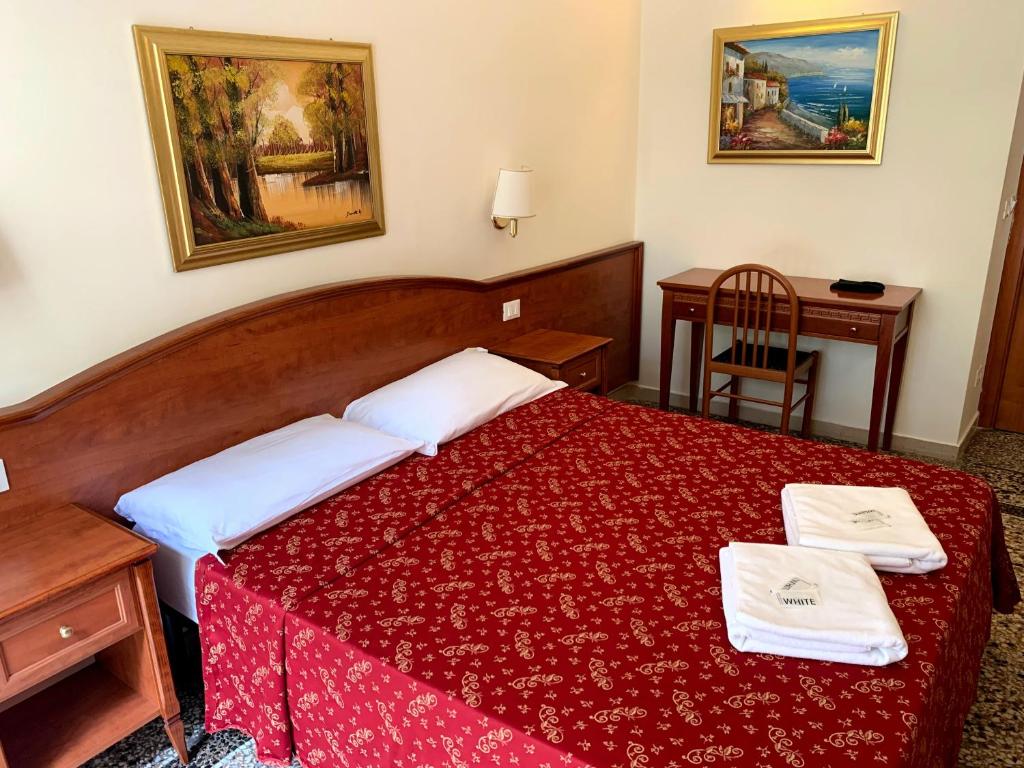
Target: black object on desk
x=842 y=285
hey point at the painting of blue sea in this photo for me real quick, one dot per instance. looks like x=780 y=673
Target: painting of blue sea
x=805 y=92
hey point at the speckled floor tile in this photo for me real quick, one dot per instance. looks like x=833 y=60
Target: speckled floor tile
x=993 y=734
x=994 y=448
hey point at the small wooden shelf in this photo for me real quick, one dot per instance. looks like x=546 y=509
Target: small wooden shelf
x=56 y=727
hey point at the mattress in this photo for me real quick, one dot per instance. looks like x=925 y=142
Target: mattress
x=174 y=571
x=559 y=604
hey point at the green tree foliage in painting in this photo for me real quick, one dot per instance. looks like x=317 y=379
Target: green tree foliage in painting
x=220 y=107
x=283 y=136
x=335 y=115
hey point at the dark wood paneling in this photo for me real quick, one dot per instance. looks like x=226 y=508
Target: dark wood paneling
x=213 y=383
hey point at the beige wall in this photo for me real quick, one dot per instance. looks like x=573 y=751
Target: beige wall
x=995 y=268
x=466 y=87
x=463 y=87
x=924 y=217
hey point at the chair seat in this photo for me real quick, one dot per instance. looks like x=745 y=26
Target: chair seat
x=776 y=356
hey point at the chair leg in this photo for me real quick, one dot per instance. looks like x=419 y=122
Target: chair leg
x=705 y=408
x=812 y=382
x=734 y=404
x=787 y=407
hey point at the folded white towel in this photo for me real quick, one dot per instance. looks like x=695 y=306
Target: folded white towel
x=807 y=603
x=881 y=523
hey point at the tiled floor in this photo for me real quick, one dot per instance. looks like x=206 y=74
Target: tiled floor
x=993 y=737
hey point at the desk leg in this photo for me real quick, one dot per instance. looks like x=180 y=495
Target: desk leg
x=899 y=356
x=696 y=361
x=668 y=343
x=883 y=357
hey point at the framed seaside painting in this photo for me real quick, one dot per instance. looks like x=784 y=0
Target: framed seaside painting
x=263 y=144
x=807 y=92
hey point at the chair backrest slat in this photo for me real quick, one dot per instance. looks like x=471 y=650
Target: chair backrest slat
x=746 y=316
x=757 y=310
x=735 y=315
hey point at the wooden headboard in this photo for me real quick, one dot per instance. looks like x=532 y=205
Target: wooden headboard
x=213 y=383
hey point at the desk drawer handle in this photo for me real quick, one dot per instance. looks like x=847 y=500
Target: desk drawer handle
x=692 y=310
x=853 y=329
x=583 y=375
x=65 y=631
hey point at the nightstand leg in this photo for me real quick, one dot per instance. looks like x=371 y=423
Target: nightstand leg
x=176 y=733
x=602 y=360
x=161 y=670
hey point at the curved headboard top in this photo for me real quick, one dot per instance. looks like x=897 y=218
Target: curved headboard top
x=215 y=382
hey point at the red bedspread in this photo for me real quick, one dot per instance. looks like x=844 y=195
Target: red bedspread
x=561 y=606
x=241 y=605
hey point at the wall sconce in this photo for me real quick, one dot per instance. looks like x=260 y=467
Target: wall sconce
x=513 y=199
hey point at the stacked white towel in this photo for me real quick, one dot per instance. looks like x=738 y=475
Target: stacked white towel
x=808 y=603
x=883 y=524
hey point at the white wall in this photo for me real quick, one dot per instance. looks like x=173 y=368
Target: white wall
x=463 y=87
x=924 y=217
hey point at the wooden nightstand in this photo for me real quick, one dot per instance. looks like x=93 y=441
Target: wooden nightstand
x=82 y=656
x=575 y=358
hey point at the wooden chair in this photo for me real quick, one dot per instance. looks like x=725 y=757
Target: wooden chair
x=754 y=300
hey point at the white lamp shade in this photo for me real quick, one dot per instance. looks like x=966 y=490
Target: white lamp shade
x=513 y=197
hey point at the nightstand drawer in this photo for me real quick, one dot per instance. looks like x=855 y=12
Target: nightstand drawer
x=583 y=372
x=37 y=643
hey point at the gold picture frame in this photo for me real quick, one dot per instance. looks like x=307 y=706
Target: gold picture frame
x=263 y=144
x=803 y=92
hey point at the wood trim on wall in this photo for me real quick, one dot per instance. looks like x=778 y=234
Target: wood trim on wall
x=215 y=382
x=1007 y=302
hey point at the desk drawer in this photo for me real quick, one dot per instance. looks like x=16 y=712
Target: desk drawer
x=689 y=309
x=583 y=372
x=814 y=321
x=853 y=326
x=36 y=644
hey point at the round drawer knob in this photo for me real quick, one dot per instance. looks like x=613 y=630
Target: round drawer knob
x=66 y=631
x=583 y=375
x=692 y=310
x=853 y=329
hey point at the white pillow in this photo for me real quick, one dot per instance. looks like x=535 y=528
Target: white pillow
x=220 y=501
x=447 y=399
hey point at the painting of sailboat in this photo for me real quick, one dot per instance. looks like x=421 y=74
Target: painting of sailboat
x=804 y=92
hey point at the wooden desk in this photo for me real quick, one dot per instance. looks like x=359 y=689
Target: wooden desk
x=881 y=321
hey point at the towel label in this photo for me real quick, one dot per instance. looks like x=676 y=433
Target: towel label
x=870 y=519
x=796 y=592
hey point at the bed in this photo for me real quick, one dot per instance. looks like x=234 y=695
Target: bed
x=544 y=591
x=555 y=601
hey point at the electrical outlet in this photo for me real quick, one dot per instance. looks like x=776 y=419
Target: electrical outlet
x=510 y=310
x=4 y=485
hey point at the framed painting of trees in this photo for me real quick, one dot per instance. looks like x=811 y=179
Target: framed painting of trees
x=263 y=144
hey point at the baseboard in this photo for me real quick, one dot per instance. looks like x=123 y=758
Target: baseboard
x=968 y=434
x=761 y=415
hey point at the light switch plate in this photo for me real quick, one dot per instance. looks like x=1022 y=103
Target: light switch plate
x=510 y=310
x=4 y=485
